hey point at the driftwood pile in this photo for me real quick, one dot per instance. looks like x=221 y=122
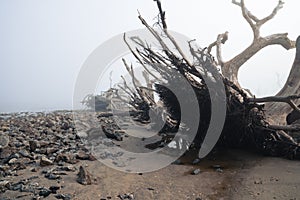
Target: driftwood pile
x=246 y=123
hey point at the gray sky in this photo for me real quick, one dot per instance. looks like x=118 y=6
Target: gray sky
x=45 y=42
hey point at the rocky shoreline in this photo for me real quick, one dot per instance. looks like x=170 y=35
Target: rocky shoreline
x=43 y=155
x=45 y=143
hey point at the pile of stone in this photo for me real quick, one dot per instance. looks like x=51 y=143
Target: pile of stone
x=37 y=141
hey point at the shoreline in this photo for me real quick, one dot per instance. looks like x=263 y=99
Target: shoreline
x=46 y=151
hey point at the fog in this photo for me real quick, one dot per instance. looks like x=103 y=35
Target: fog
x=44 y=43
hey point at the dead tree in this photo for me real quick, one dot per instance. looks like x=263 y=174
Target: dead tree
x=246 y=123
x=231 y=68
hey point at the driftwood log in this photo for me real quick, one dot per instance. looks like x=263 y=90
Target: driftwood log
x=250 y=122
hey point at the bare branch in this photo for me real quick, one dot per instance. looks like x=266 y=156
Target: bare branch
x=155 y=34
x=252 y=20
x=162 y=14
x=126 y=86
x=139 y=42
x=292 y=128
x=288 y=100
x=222 y=38
x=272 y=15
x=253 y=17
x=171 y=38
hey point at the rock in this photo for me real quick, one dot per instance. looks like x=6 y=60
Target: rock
x=4 y=140
x=196 y=161
x=45 y=161
x=51 y=150
x=54 y=189
x=32 y=145
x=82 y=134
x=52 y=176
x=43 y=144
x=63 y=196
x=3 y=183
x=219 y=170
x=216 y=166
x=126 y=196
x=177 y=162
x=196 y=171
x=5 y=153
x=13 y=161
x=45 y=192
x=65 y=158
x=69 y=168
x=16 y=186
x=65 y=126
x=24 y=153
x=81 y=155
x=34 y=169
x=112 y=134
x=84 y=177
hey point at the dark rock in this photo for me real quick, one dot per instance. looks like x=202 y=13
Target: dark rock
x=84 y=177
x=18 y=144
x=54 y=189
x=65 y=126
x=24 y=153
x=196 y=161
x=216 y=166
x=177 y=162
x=111 y=133
x=65 y=158
x=32 y=145
x=66 y=168
x=63 y=196
x=52 y=176
x=16 y=186
x=45 y=192
x=34 y=169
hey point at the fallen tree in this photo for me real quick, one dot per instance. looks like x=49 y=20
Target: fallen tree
x=246 y=125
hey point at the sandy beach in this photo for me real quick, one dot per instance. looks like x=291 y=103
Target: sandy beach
x=51 y=170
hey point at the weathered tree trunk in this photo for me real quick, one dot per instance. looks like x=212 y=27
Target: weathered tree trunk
x=275 y=110
x=292 y=86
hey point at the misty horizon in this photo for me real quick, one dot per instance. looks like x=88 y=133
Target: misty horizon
x=45 y=43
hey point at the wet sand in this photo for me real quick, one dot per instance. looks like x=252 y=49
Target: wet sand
x=244 y=176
